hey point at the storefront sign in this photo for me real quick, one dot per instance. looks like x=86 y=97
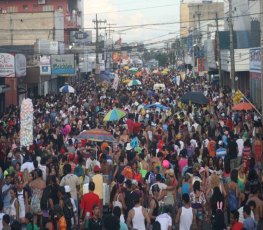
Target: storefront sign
x=7 y=65
x=255 y=60
x=62 y=64
x=44 y=65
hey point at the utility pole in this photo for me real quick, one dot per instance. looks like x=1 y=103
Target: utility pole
x=232 y=50
x=218 y=53
x=261 y=50
x=97 y=23
x=108 y=36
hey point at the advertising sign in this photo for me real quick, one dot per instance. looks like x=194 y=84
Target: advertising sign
x=255 y=60
x=7 y=65
x=62 y=64
x=44 y=63
x=20 y=61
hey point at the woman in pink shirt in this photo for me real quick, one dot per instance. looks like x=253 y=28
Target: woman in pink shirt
x=183 y=160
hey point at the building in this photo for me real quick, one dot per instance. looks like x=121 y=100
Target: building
x=198 y=23
x=193 y=13
x=246 y=25
x=44 y=27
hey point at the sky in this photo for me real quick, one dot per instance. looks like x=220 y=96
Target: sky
x=136 y=12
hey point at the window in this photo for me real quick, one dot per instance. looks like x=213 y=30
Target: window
x=11 y=9
x=35 y=6
x=60 y=8
x=25 y=7
x=48 y=8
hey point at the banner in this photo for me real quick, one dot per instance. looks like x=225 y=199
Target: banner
x=7 y=65
x=20 y=61
x=255 y=60
x=62 y=64
x=115 y=82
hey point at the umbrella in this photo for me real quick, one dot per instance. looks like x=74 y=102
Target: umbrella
x=67 y=89
x=195 y=98
x=243 y=106
x=98 y=135
x=114 y=115
x=157 y=105
x=134 y=82
x=138 y=74
x=126 y=81
x=134 y=69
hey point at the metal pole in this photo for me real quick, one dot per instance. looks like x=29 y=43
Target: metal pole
x=219 y=54
x=261 y=50
x=232 y=51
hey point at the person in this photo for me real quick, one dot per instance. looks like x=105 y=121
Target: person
x=61 y=221
x=138 y=215
x=22 y=196
x=156 y=226
x=30 y=222
x=117 y=213
x=219 y=219
x=6 y=196
x=6 y=222
x=1 y=214
x=186 y=217
x=198 y=202
x=95 y=223
x=221 y=151
x=72 y=181
x=37 y=186
x=14 y=208
x=233 y=193
x=235 y=224
x=233 y=152
x=154 y=205
x=249 y=223
x=98 y=181
x=88 y=201
x=165 y=219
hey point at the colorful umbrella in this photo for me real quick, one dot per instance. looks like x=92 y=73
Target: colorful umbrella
x=195 y=98
x=98 y=135
x=133 y=70
x=138 y=74
x=243 y=106
x=126 y=81
x=157 y=105
x=134 y=82
x=67 y=89
x=114 y=115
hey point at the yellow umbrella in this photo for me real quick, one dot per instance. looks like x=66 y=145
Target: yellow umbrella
x=164 y=72
x=126 y=81
x=126 y=67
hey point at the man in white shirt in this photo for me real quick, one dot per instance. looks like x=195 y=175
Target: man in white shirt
x=165 y=219
x=240 y=146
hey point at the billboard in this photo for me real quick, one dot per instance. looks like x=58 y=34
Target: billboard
x=20 y=64
x=7 y=65
x=62 y=64
x=255 y=60
x=44 y=63
x=81 y=37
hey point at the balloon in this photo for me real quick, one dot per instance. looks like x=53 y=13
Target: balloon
x=166 y=164
x=64 y=131
x=68 y=128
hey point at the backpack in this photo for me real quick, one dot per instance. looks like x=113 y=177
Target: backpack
x=68 y=207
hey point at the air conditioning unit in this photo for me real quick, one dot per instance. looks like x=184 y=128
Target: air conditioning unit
x=41 y=2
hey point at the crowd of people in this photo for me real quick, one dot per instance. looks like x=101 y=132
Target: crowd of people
x=187 y=167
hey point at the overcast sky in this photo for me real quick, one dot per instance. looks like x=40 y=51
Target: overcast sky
x=136 y=12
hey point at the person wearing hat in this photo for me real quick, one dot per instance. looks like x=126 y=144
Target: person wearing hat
x=91 y=162
x=154 y=204
x=98 y=181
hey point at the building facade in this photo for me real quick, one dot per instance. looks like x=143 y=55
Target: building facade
x=27 y=24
